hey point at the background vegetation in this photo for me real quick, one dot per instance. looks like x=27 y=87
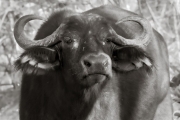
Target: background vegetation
x=164 y=16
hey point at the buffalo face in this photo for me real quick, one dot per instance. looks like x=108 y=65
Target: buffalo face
x=86 y=50
x=82 y=54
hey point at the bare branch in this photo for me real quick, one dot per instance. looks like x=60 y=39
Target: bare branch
x=4 y=16
x=176 y=31
x=152 y=14
x=139 y=7
x=163 y=10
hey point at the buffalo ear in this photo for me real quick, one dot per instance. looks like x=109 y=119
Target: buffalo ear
x=37 y=60
x=130 y=58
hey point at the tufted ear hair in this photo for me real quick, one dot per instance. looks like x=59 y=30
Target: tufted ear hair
x=37 y=60
x=128 y=58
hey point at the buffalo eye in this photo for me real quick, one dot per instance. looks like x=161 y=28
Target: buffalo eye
x=108 y=40
x=68 y=40
x=115 y=57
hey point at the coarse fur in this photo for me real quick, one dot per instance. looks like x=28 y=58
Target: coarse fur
x=63 y=88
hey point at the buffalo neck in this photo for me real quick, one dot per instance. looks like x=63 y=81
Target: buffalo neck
x=100 y=102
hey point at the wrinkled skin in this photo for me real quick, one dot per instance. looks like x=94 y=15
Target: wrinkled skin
x=85 y=44
x=95 y=80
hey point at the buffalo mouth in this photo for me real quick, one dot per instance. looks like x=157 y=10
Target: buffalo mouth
x=94 y=78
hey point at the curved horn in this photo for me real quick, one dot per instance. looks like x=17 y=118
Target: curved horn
x=24 y=41
x=143 y=39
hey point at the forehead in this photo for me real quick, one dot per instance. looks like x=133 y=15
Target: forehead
x=81 y=22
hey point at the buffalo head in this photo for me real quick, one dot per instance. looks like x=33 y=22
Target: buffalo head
x=84 y=46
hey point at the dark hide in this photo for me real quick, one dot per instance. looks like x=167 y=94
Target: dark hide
x=92 y=78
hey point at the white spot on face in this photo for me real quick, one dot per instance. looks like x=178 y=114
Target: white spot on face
x=75 y=45
x=90 y=32
x=91 y=38
x=104 y=43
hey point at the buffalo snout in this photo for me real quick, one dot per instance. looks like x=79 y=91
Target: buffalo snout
x=96 y=64
x=97 y=68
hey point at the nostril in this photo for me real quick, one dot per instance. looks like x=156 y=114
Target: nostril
x=86 y=63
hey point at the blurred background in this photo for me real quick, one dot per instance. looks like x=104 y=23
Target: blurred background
x=164 y=16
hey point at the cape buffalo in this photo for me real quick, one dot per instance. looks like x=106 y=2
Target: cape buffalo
x=103 y=64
